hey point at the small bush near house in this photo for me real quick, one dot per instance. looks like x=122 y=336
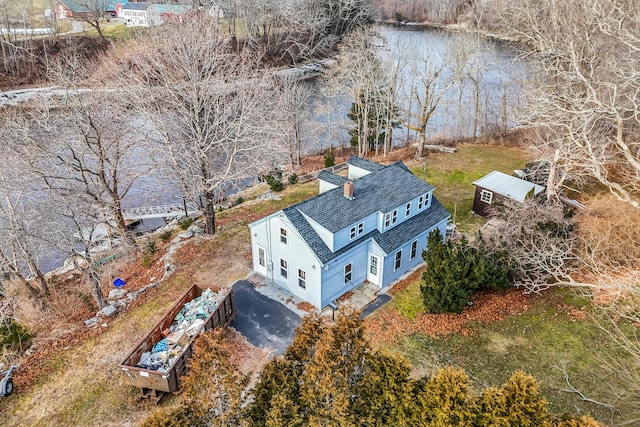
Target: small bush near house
x=274 y=179
x=293 y=179
x=329 y=159
x=186 y=223
x=455 y=270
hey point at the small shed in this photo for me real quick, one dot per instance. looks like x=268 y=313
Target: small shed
x=498 y=186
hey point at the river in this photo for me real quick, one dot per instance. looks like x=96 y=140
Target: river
x=483 y=72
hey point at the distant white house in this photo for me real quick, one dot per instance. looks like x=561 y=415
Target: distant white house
x=369 y=226
x=497 y=186
x=145 y=14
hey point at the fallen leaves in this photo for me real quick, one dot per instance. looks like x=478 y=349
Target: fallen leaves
x=389 y=326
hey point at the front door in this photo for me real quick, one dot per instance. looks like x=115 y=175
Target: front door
x=261 y=265
x=373 y=273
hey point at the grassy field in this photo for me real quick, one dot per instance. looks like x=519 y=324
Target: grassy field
x=557 y=330
x=452 y=175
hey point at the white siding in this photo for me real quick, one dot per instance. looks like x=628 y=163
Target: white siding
x=356 y=172
x=296 y=252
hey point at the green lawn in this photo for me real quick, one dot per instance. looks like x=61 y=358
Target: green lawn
x=452 y=175
x=538 y=341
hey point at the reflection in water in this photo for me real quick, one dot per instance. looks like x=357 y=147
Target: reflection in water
x=486 y=75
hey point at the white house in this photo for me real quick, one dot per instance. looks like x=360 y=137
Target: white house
x=140 y=15
x=371 y=225
x=151 y=14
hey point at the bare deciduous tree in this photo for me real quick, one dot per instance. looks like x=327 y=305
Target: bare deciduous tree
x=368 y=85
x=433 y=81
x=538 y=240
x=586 y=93
x=212 y=114
x=19 y=232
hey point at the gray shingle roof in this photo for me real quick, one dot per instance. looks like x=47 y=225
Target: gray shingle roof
x=364 y=164
x=389 y=241
x=388 y=188
x=332 y=178
x=407 y=230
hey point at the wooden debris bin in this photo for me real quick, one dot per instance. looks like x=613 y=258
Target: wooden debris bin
x=154 y=383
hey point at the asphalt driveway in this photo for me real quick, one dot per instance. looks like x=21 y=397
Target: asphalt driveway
x=265 y=323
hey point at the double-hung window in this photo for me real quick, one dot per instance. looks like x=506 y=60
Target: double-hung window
x=352 y=233
x=302 y=279
x=407 y=210
x=283 y=267
x=414 y=250
x=283 y=235
x=348 y=273
x=398 y=260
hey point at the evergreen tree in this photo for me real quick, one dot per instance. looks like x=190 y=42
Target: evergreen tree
x=455 y=270
x=524 y=404
x=372 y=117
x=213 y=387
x=445 y=285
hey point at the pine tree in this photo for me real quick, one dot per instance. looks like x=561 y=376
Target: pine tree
x=213 y=387
x=525 y=406
x=276 y=396
x=333 y=374
x=455 y=270
x=445 y=286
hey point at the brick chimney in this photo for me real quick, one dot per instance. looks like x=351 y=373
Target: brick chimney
x=348 y=190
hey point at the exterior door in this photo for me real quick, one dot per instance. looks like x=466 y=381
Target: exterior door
x=261 y=265
x=373 y=272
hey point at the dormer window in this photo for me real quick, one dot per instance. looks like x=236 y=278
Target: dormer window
x=391 y=218
x=407 y=210
x=420 y=202
x=426 y=199
x=356 y=231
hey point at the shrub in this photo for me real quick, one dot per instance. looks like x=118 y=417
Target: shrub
x=237 y=201
x=455 y=270
x=293 y=178
x=13 y=336
x=149 y=247
x=165 y=236
x=186 y=223
x=329 y=159
x=274 y=179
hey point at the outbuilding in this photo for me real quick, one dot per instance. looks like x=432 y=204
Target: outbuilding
x=498 y=186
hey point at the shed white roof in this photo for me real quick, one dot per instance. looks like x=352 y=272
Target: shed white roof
x=508 y=186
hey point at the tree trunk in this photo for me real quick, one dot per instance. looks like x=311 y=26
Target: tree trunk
x=209 y=215
x=96 y=290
